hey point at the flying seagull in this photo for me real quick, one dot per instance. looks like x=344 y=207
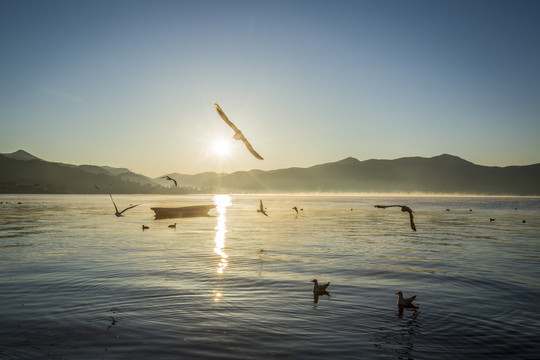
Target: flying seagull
x=319 y=288
x=261 y=208
x=170 y=178
x=119 y=213
x=237 y=133
x=295 y=209
x=404 y=209
x=405 y=302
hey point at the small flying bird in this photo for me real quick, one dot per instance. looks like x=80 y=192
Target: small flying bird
x=405 y=302
x=295 y=209
x=171 y=179
x=261 y=208
x=119 y=213
x=491 y=219
x=404 y=208
x=319 y=288
x=173 y=226
x=237 y=133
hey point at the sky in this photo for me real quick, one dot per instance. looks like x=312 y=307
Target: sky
x=133 y=83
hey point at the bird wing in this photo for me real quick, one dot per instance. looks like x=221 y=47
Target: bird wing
x=115 y=208
x=251 y=149
x=131 y=207
x=236 y=130
x=323 y=287
x=175 y=183
x=261 y=205
x=411 y=217
x=225 y=118
x=386 y=206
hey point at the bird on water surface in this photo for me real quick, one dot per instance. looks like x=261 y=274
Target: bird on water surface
x=404 y=208
x=319 y=288
x=237 y=133
x=405 y=302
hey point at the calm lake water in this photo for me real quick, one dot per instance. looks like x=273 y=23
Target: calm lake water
x=77 y=282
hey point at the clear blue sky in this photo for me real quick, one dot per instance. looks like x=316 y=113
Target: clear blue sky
x=132 y=83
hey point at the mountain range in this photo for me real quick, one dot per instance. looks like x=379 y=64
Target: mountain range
x=21 y=172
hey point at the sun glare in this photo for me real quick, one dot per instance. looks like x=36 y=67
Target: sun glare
x=222 y=147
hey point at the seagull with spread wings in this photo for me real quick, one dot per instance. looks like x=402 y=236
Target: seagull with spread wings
x=237 y=133
x=171 y=179
x=261 y=208
x=119 y=213
x=404 y=208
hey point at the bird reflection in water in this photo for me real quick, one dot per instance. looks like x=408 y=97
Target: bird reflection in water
x=317 y=294
x=221 y=201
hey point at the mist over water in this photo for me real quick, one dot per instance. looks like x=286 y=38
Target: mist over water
x=78 y=282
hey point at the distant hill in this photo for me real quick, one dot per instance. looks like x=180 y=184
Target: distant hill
x=29 y=174
x=21 y=172
x=440 y=174
x=21 y=155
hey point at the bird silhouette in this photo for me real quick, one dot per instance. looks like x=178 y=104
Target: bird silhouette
x=319 y=288
x=405 y=302
x=119 y=213
x=171 y=179
x=237 y=133
x=295 y=209
x=173 y=226
x=144 y=227
x=404 y=208
x=261 y=208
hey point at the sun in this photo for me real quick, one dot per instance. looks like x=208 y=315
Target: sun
x=221 y=147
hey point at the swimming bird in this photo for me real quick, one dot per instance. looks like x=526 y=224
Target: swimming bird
x=319 y=288
x=144 y=227
x=171 y=179
x=261 y=208
x=295 y=209
x=404 y=208
x=119 y=213
x=491 y=219
x=237 y=133
x=173 y=226
x=405 y=302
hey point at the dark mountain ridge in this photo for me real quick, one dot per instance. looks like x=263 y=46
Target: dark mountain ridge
x=439 y=174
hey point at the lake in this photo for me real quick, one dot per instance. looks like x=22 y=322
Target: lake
x=78 y=282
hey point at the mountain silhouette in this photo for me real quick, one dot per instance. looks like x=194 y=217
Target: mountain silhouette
x=440 y=174
x=21 y=172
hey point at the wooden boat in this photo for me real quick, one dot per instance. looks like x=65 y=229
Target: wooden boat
x=183 y=211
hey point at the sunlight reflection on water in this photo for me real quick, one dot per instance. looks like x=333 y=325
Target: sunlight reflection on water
x=222 y=201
